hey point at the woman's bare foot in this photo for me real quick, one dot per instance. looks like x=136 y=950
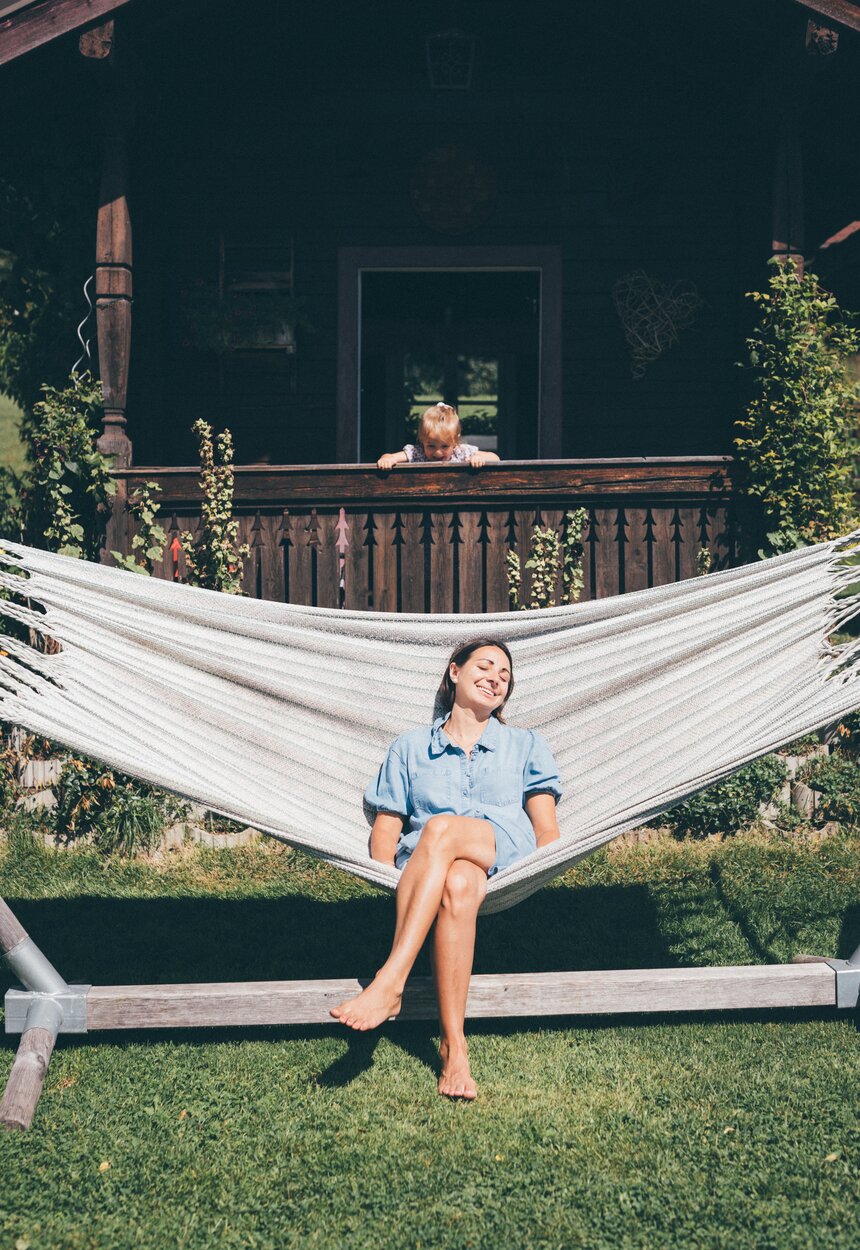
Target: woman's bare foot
x=456 y=1078
x=377 y=1003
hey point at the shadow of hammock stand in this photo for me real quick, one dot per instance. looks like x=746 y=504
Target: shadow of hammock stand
x=46 y=1006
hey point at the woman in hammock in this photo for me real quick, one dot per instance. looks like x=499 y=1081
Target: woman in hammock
x=455 y=803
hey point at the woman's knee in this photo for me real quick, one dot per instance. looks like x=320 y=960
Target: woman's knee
x=436 y=835
x=465 y=887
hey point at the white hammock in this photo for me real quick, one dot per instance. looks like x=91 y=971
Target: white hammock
x=279 y=715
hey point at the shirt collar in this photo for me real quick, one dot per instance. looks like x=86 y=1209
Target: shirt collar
x=439 y=740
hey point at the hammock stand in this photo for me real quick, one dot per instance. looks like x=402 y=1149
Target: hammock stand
x=646 y=680
x=48 y=1006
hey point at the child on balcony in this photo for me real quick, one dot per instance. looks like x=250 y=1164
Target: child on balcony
x=438 y=442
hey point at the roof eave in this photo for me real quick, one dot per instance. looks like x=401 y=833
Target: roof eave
x=25 y=27
x=843 y=13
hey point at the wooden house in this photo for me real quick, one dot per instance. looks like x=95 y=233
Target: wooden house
x=546 y=213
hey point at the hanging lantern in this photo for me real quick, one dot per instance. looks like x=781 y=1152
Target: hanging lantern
x=450 y=59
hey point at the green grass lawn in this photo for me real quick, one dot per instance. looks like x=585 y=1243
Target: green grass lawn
x=735 y=1131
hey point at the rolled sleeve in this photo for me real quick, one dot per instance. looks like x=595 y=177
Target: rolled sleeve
x=540 y=775
x=389 y=791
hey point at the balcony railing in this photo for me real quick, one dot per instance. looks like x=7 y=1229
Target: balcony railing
x=429 y=539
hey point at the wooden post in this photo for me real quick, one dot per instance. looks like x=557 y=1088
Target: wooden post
x=30 y=1067
x=113 y=250
x=12 y=932
x=43 y=1022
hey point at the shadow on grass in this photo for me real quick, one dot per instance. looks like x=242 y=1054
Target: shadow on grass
x=849 y=934
x=128 y=941
x=122 y=941
x=766 y=947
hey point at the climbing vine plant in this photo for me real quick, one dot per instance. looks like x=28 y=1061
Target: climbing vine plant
x=550 y=554
x=797 y=440
x=149 y=541
x=217 y=559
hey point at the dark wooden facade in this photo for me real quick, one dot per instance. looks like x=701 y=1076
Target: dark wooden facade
x=687 y=142
x=675 y=143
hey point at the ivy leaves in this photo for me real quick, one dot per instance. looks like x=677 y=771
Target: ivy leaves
x=147 y=545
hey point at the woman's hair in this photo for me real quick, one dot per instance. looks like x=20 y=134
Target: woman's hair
x=439 y=419
x=460 y=654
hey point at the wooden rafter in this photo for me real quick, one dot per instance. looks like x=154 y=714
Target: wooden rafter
x=24 y=28
x=841 y=12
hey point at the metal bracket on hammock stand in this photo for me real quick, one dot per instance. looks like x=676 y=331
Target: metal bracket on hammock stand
x=847 y=980
x=847 y=976
x=47 y=1006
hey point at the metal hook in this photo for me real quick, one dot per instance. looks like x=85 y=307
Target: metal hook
x=85 y=343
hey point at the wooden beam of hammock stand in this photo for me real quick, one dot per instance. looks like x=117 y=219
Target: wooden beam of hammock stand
x=47 y=1006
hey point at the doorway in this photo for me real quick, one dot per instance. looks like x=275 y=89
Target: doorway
x=470 y=339
x=476 y=327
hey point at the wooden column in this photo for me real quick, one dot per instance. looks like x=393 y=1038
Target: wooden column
x=788 y=212
x=113 y=277
x=797 y=67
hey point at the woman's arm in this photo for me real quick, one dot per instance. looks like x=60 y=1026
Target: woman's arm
x=540 y=809
x=384 y=837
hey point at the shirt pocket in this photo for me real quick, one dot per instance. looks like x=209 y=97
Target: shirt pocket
x=431 y=787
x=500 y=791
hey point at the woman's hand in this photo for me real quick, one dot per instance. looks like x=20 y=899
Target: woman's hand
x=384 y=837
x=540 y=809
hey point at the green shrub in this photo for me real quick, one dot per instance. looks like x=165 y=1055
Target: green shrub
x=837 y=778
x=118 y=814
x=11 y=518
x=847 y=740
x=731 y=804
x=796 y=444
x=68 y=486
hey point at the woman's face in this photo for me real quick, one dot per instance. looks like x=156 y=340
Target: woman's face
x=482 y=681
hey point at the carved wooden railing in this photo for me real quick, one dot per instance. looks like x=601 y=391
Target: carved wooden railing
x=428 y=539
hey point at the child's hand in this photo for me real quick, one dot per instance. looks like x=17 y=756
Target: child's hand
x=479 y=459
x=388 y=461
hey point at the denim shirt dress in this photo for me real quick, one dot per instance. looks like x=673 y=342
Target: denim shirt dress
x=425 y=774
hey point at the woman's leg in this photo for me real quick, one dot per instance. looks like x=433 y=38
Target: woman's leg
x=419 y=895
x=453 y=956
